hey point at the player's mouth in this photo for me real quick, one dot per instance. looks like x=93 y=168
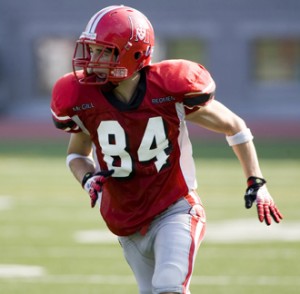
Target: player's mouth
x=101 y=77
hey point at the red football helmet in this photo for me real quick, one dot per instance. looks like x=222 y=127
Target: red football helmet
x=126 y=33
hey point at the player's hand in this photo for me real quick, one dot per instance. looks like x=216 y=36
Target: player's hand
x=266 y=208
x=93 y=183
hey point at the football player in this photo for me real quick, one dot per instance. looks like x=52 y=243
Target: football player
x=130 y=150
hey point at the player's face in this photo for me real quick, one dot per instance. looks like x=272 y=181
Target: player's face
x=100 y=55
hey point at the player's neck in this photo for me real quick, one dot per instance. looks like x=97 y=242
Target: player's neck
x=126 y=89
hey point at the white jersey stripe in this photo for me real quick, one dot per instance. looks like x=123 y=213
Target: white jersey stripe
x=79 y=123
x=186 y=158
x=211 y=87
x=59 y=117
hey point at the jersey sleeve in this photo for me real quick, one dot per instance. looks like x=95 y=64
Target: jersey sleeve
x=64 y=91
x=188 y=81
x=200 y=87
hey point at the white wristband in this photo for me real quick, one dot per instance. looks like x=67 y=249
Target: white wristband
x=240 y=137
x=72 y=156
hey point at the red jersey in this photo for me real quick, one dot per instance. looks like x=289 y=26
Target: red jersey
x=145 y=141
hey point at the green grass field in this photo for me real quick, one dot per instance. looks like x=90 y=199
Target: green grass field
x=42 y=209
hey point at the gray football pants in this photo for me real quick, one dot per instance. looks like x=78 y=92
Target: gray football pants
x=162 y=260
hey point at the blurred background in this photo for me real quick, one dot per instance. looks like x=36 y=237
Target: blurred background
x=251 y=48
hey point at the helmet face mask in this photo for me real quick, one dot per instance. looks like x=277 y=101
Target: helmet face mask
x=126 y=33
x=96 y=71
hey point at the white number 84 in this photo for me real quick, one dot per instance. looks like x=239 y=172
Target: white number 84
x=118 y=149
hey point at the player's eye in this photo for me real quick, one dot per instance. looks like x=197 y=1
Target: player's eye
x=94 y=51
x=107 y=52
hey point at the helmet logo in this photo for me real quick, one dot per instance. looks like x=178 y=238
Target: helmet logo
x=139 y=30
x=141 y=33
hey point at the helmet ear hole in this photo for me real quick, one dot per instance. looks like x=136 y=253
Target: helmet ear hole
x=137 y=55
x=116 y=52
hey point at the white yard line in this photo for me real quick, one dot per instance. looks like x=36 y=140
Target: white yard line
x=129 y=280
x=95 y=237
x=227 y=231
x=6 y=202
x=251 y=230
x=20 y=271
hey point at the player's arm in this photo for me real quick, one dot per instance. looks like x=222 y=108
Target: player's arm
x=82 y=166
x=79 y=159
x=218 y=118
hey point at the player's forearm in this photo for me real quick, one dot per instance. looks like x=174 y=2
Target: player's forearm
x=246 y=153
x=218 y=118
x=80 y=166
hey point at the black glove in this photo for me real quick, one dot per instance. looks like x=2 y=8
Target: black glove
x=254 y=184
x=258 y=192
